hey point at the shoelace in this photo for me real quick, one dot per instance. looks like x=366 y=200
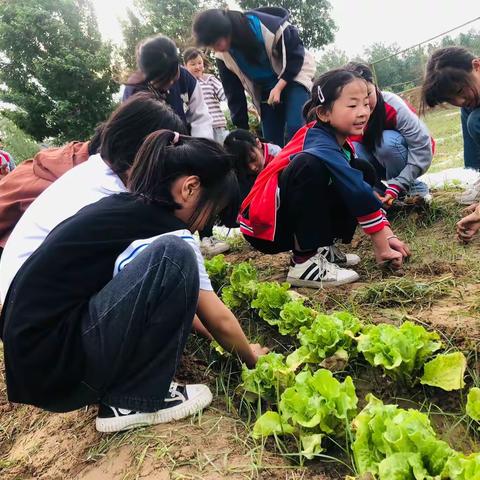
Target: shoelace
x=325 y=266
x=337 y=253
x=173 y=387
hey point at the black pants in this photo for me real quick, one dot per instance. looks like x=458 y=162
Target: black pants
x=311 y=209
x=137 y=327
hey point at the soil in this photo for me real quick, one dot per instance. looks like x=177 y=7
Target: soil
x=217 y=445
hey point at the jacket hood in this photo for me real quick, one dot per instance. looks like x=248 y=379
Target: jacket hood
x=274 y=14
x=52 y=163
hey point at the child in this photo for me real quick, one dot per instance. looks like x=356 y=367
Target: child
x=212 y=91
x=101 y=175
x=312 y=194
x=77 y=337
x=7 y=164
x=260 y=52
x=159 y=72
x=453 y=76
x=22 y=186
x=396 y=142
x=250 y=157
x=213 y=94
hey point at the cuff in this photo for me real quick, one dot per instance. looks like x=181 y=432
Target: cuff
x=373 y=222
x=393 y=190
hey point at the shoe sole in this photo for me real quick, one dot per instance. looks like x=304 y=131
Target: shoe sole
x=186 y=409
x=296 y=282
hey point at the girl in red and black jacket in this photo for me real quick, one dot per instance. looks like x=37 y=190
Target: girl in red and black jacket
x=315 y=192
x=396 y=142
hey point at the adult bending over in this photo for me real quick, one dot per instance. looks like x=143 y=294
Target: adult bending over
x=261 y=52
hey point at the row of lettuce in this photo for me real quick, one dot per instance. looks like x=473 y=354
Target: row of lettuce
x=301 y=398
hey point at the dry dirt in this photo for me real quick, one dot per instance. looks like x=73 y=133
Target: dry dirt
x=40 y=445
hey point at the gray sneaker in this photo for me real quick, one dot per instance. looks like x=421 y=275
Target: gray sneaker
x=471 y=195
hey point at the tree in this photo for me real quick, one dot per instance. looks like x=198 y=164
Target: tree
x=311 y=17
x=56 y=68
x=172 y=18
x=331 y=58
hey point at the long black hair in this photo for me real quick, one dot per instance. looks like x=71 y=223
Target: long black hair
x=124 y=132
x=157 y=61
x=448 y=71
x=214 y=24
x=373 y=135
x=166 y=156
x=326 y=89
x=239 y=144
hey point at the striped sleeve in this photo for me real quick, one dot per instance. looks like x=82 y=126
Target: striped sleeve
x=373 y=222
x=393 y=190
x=218 y=89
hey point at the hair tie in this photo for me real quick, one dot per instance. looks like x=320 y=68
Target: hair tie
x=176 y=138
x=321 y=98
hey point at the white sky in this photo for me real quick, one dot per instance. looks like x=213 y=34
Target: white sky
x=360 y=22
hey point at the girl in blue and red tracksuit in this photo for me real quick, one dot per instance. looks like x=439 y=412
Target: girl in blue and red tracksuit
x=396 y=142
x=314 y=192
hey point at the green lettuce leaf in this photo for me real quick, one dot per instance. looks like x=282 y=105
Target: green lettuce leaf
x=243 y=286
x=311 y=445
x=445 y=371
x=271 y=423
x=268 y=379
x=217 y=268
x=463 y=467
x=293 y=316
x=473 y=404
x=400 y=351
x=270 y=299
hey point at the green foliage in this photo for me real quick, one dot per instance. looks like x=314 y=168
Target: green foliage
x=394 y=443
x=327 y=336
x=331 y=58
x=445 y=371
x=243 y=286
x=56 y=68
x=315 y=405
x=311 y=17
x=17 y=143
x=400 y=351
x=150 y=17
x=270 y=299
x=463 y=467
x=293 y=316
x=268 y=379
x=217 y=268
x=473 y=404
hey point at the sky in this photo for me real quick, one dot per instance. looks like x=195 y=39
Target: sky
x=360 y=22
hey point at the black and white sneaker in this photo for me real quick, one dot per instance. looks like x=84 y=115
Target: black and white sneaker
x=182 y=401
x=318 y=272
x=334 y=255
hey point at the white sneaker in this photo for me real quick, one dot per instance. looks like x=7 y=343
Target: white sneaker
x=334 y=255
x=182 y=401
x=211 y=246
x=470 y=195
x=318 y=272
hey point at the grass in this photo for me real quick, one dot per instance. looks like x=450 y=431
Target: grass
x=445 y=128
x=16 y=142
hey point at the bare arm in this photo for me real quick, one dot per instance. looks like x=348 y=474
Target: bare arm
x=225 y=329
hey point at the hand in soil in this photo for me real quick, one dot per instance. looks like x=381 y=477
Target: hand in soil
x=468 y=226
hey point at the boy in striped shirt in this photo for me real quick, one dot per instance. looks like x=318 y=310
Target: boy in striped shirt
x=212 y=91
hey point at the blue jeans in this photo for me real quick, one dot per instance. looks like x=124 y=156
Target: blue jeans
x=390 y=158
x=137 y=326
x=281 y=122
x=471 y=137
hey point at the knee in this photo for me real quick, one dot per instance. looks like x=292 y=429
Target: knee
x=392 y=142
x=473 y=124
x=177 y=250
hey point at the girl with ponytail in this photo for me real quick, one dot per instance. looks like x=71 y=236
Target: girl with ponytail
x=75 y=336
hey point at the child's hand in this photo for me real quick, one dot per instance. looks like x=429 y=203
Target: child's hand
x=387 y=200
x=470 y=209
x=257 y=351
x=399 y=246
x=468 y=226
x=389 y=256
